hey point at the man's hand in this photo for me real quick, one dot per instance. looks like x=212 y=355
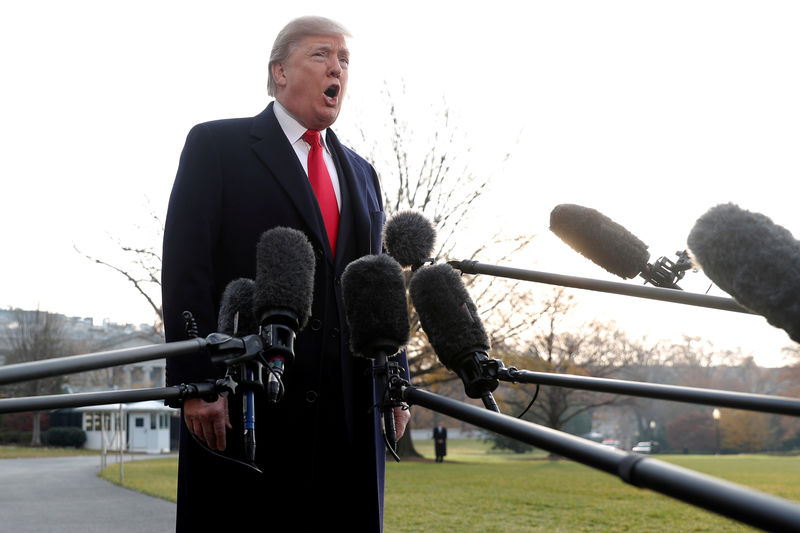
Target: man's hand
x=208 y=420
x=401 y=418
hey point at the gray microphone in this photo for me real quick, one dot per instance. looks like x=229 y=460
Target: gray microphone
x=611 y=246
x=284 y=292
x=236 y=309
x=236 y=318
x=450 y=319
x=754 y=260
x=376 y=309
x=409 y=237
x=600 y=239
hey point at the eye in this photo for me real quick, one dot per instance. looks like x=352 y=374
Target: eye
x=345 y=61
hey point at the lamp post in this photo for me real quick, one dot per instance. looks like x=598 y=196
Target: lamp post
x=716 y=415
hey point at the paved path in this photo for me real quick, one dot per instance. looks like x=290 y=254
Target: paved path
x=65 y=495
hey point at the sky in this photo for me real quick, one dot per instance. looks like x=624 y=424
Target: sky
x=649 y=112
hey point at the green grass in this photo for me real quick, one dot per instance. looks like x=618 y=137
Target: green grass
x=19 y=452
x=475 y=450
x=490 y=491
x=156 y=477
x=538 y=495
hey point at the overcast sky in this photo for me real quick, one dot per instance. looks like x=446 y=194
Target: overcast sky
x=650 y=112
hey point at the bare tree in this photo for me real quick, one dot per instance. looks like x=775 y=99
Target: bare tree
x=140 y=264
x=791 y=355
x=594 y=349
x=429 y=169
x=34 y=336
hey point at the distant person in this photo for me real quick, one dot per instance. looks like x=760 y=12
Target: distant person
x=319 y=450
x=440 y=442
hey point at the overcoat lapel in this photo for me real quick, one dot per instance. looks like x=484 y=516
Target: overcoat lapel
x=279 y=157
x=354 y=220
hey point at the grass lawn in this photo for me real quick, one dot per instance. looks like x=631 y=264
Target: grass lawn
x=156 y=477
x=480 y=490
x=537 y=495
x=20 y=452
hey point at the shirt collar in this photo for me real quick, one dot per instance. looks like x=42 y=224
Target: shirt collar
x=292 y=128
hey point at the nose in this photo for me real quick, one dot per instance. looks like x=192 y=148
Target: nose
x=336 y=68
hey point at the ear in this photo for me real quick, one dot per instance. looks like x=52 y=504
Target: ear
x=279 y=74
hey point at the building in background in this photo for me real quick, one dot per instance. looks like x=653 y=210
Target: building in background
x=142 y=427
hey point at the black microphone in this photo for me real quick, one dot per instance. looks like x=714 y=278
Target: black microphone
x=754 y=260
x=284 y=291
x=408 y=237
x=611 y=246
x=236 y=309
x=376 y=309
x=450 y=320
x=236 y=318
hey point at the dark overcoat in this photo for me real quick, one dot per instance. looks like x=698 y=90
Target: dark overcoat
x=440 y=440
x=319 y=449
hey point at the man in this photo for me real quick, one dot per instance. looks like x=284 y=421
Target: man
x=440 y=442
x=236 y=179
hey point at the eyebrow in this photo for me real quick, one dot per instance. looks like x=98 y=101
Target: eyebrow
x=328 y=48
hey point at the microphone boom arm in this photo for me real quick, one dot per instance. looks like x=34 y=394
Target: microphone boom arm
x=206 y=390
x=626 y=289
x=782 y=405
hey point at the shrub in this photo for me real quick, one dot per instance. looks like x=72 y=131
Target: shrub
x=12 y=436
x=501 y=442
x=67 y=437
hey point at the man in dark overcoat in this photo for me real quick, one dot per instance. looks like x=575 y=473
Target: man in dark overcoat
x=440 y=442
x=319 y=450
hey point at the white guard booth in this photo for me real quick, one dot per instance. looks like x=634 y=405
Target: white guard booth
x=142 y=427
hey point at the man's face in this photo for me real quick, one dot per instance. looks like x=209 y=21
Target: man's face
x=311 y=82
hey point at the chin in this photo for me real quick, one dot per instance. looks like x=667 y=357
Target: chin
x=326 y=120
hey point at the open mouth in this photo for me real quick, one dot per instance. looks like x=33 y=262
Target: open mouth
x=332 y=91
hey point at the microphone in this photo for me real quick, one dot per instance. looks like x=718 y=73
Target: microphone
x=236 y=318
x=600 y=239
x=236 y=309
x=754 y=260
x=612 y=247
x=408 y=237
x=450 y=319
x=376 y=310
x=284 y=291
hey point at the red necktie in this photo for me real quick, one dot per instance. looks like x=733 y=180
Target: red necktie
x=323 y=188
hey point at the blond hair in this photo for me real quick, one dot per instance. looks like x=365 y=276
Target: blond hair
x=294 y=32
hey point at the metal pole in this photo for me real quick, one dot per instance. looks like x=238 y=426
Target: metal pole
x=121 y=454
x=738 y=400
x=57 y=401
x=103 y=449
x=639 y=291
x=81 y=363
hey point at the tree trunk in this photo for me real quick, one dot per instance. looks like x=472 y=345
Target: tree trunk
x=405 y=446
x=36 y=436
